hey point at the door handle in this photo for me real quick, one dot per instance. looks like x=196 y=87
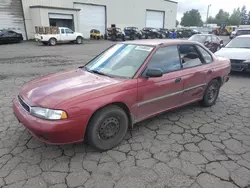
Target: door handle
x=209 y=72
x=178 y=80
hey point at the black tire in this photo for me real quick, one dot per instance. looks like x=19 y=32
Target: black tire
x=52 y=42
x=208 y=98
x=79 y=40
x=113 y=38
x=108 y=116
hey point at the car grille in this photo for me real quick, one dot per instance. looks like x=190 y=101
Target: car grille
x=236 y=61
x=23 y=104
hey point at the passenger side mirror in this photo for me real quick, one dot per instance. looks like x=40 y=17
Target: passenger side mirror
x=153 y=73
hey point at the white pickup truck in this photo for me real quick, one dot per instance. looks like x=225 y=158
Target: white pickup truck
x=59 y=35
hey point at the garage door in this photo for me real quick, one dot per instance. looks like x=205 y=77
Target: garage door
x=91 y=17
x=154 y=19
x=11 y=16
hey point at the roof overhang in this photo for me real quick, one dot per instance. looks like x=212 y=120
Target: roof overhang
x=49 y=7
x=171 y=1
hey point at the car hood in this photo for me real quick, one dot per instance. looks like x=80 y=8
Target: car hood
x=51 y=90
x=234 y=53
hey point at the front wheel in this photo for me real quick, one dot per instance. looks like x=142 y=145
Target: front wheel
x=79 y=40
x=107 y=128
x=211 y=94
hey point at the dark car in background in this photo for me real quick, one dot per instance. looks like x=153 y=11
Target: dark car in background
x=132 y=33
x=242 y=32
x=114 y=33
x=186 y=33
x=212 y=42
x=152 y=33
x=164 y=32
x=8 y=36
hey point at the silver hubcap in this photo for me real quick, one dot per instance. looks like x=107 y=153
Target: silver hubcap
x=212 y=92
x=79 y=40
x=53 y=42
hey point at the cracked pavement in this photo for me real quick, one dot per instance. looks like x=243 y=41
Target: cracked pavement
x=191 y=147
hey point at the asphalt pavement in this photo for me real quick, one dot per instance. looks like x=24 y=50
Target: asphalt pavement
x=191 y=147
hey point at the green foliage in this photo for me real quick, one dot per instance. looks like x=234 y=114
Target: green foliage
x=177 y=23
x=248 y=18
x=235 y=18
x=192 y=18
x=224 y=17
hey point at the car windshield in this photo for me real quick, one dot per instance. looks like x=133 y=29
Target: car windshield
x=240 y=42
x=121 y=60
x=199 y=38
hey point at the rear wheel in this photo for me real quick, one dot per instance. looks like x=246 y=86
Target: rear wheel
x=107 y=128
x=211 y=94
x=52 y=42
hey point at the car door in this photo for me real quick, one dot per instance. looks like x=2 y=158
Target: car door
x=69 y=35
x=194 y=73
x=159 y=94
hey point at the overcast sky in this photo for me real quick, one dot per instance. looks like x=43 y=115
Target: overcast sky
x=201 y=5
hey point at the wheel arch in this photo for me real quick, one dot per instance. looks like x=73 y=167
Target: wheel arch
x=219 y=79
x=122 y=105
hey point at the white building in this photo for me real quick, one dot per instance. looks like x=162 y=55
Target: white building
x=84 y=15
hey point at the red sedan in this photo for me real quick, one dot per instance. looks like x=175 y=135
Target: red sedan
x=125 y=84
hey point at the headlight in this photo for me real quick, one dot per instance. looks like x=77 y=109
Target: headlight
x=49 y=114
x=247 y=61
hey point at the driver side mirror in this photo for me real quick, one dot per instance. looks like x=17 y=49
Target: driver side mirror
x=154 y=73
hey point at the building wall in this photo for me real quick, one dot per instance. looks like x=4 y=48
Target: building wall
x=120 y=12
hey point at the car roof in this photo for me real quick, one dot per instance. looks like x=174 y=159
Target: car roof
x=156 y=42
x=243 y=36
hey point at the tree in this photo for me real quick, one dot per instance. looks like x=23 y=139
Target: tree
x=243 y=15
x=177 y=23
x=235 y=18
x=191 y=18
x=211 y=20
x=248 y=18
x=222 y=17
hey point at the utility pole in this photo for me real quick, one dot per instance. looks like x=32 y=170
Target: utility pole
x=208 y=11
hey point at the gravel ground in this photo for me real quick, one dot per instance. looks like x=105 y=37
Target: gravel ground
x=191 y=147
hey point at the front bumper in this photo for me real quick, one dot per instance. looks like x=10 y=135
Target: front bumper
x=52 y=132
x=240 y=67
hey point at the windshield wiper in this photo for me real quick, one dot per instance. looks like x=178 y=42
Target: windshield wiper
x=97 y=72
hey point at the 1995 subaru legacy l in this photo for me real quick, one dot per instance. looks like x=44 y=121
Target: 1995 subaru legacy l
x=125 y=84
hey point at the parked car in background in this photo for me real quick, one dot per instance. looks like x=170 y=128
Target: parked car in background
x=212 y=42
x=133 y=33
x=53 y=35
x=186 y=33
x=164 y=32
x=232 y=34
x=9 y=36
x=242 y=32
x=95 y=34
x=114 y=33
x=238 y=51
x=129 y=82
x=152 y=33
